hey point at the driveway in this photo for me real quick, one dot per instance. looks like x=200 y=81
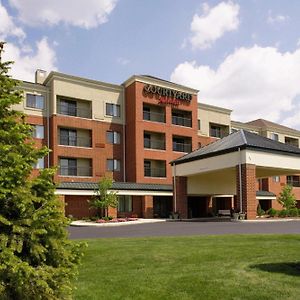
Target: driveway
x=186 y=228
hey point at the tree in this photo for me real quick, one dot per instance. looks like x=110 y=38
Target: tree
x=286 y=198
x=104 y=198
x=37 y=261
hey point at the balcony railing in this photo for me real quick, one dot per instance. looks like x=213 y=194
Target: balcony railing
x=76 y=142
x=68 y=110
x=154 y=144
x=153 y=116
x=154 y=172
x=294 y=183
x=187 y=122
x=75 y=171
x=182 y=147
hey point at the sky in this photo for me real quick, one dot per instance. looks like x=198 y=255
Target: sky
x=242 y=55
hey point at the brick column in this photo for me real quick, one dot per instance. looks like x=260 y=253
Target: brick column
x=181 y=197
x=248 y=177
x=147 y=207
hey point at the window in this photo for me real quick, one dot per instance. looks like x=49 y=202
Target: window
x=199 y=124
x=40 y=164
x=274 y=136
x=68 y=166
x=124 y=204
x=276 y=179
x=113 y=165
x=38 y=131
x=35 y=101
x=68 y=137
x=113 y=110
x=113 y=137
x=68 y=107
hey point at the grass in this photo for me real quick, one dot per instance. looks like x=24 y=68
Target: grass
x=206 y=267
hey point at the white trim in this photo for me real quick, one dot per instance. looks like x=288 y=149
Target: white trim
x=119 y=192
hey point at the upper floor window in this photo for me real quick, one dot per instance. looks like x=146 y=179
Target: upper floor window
x=35 y=101
x=113 y=137
x=274 y=136
x=113 y=110
x=40 y=164
x=113 y=165
x=38 y=131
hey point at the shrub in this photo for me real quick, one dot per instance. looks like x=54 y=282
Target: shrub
x=272 y=212
x=260 y=211
x=293 y=212
x=283 y=213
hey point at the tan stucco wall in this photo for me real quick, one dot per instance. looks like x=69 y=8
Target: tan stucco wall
x=215 y=183
x=207 y=116
x=97 y=95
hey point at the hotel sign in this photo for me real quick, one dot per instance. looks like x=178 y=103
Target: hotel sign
x=167 y=96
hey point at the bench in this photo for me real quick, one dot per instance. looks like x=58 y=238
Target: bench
x=224 y=212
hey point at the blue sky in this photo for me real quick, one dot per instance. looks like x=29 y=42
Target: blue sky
x=242 y=55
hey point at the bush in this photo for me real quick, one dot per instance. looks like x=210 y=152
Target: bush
x=283 y=213
x=293 y=212
x=272 y=212
x=260 y=211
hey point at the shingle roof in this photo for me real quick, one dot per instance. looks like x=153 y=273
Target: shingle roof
x=262 y=123
x=241 y=139
x=116 y=186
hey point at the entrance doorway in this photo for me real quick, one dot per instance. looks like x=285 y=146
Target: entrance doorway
x=197 y=207
x=162 y=206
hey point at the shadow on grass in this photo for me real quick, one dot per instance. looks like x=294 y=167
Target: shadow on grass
x=288 y=268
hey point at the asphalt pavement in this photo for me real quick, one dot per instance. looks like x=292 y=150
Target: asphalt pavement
x=182 y=228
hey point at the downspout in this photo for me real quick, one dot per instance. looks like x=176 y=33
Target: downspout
x=174 y=187
x=240 y=180
x=124 y=136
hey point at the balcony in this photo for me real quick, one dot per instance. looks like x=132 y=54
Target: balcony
x=154 y=140
x=182 y=147
x=182 y=118
x=154 y=113
x=154 y=168
x=75 y=108
x=75 y=142
x=75 y=171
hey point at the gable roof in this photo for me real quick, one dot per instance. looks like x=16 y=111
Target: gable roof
x=241 y=139
x=265 y=124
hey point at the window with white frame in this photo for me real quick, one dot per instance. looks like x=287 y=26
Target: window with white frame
x=38 y=131
x=113 y=165
x=274 y=136
x=113 y=137
x=40 y=164
x=125 y=203
x=35 y=101
x=113 y=110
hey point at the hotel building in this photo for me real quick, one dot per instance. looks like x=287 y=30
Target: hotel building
x=137 y=133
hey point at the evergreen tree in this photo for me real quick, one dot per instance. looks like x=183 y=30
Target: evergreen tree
x=286 y=197
x=37 y=261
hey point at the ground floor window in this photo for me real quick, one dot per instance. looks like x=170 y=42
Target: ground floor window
x=124 y=204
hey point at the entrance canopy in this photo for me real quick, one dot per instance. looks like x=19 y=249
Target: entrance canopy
x=213 y=168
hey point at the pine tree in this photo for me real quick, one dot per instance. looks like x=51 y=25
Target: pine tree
x=37 y=261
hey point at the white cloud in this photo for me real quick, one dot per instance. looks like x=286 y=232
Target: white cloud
x=255 y=82
x=276 y=19
x=27 y=62
x=7 y=26
x=213 y=23
x=86 y=14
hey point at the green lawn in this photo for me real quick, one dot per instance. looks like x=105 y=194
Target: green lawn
x=206 y=267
